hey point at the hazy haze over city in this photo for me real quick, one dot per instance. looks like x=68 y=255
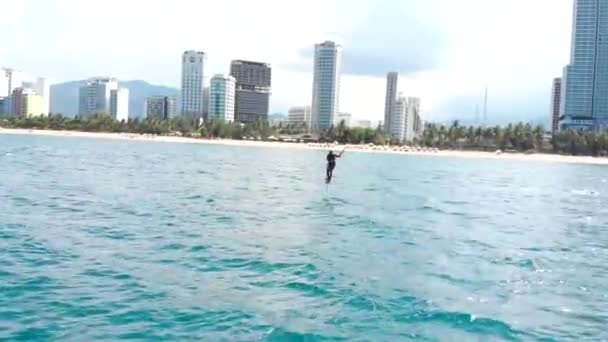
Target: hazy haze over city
x=446 y=51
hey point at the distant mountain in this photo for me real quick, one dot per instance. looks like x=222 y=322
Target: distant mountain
x=278 y=117
x=64 y=96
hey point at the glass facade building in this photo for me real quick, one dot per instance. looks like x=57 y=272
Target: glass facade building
x=326 y=85
x=222 y=98
x=585 y=79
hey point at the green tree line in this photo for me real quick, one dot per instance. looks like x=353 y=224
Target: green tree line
x=189 y=127
x=517 y=137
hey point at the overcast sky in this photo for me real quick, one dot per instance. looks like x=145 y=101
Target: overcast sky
x=447 y=51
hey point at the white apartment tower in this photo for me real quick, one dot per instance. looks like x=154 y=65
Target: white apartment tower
x=326 y=85
x=95 y=95
x=398 y=118
x=221 y=98
x=413 y=115
x=193 y=84
x=405 y=120
x=119 y=104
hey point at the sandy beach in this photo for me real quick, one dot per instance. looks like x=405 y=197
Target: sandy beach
x=316 y=146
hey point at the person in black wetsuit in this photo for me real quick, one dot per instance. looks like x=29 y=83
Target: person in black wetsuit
x=331 y=164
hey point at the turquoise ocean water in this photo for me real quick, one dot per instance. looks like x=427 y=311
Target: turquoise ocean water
x=106 y=240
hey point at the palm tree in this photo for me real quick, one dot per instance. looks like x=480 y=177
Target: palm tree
x=539 y=134
x=341 y=131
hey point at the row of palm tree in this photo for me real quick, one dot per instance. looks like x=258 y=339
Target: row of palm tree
x=354 y=135
x=105 y=123
x=188 y=127
x=518 y=137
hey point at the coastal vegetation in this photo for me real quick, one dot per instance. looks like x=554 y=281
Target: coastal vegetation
x=518 y=137
x=261 y=130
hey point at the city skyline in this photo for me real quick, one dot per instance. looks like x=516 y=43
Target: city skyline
x=460 y=48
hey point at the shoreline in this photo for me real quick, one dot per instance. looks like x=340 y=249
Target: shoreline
x=543 y=157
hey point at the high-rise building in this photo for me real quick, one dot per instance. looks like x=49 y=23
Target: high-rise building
x=119 y=104
x=253 y=89
x=406 y=123
x=398 y=118
x=556 y=94
x=326 y=85
x=10 y=80
x=26 y=103
x=95 y=95
x=392 y=80
x=4 y=105
x=221 y=98
x=412 y=121
x=206 y=102
x=299 y=116
x=193 y=84
x=160 y=108
x=584 y=98
x=43 y=88
x=346 y=117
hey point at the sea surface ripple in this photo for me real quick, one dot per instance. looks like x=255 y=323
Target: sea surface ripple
x=104 y=240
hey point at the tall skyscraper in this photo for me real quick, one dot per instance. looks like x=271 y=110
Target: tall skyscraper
x=160 y=108
x=119 y=104
x=95 y=95
x=299 y=116
x=412 y=119
x=221 y=98
x=556 y=94
x=585 y=79
x=206 y=102
x=253 y=88
x=193 y=84
x=326 y=85
x=43 y=89
x=392 y=80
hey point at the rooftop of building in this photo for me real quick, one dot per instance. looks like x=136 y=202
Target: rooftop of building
x=241 y=61
x=329 y=43
x=188 y=52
